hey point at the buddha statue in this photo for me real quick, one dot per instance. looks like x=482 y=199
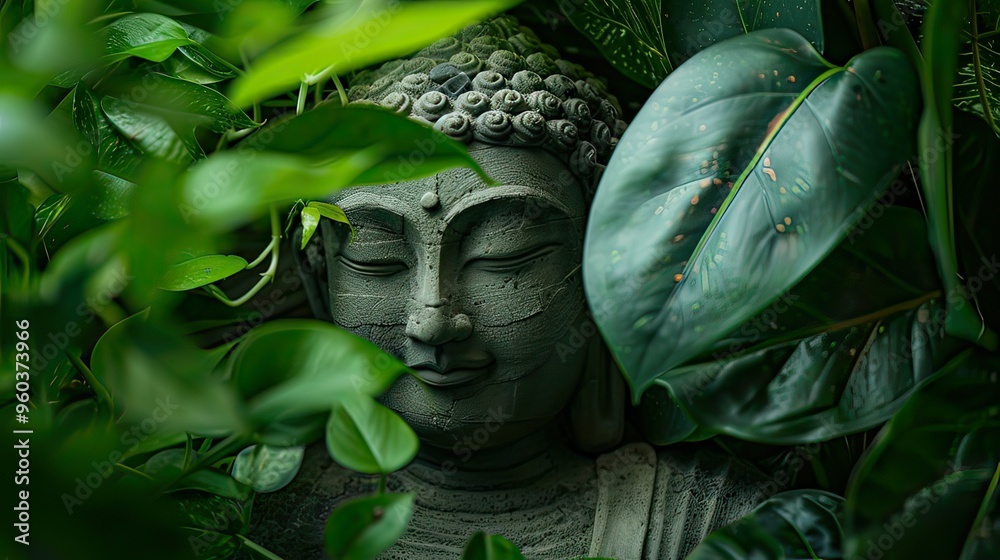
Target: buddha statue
x=519 y=407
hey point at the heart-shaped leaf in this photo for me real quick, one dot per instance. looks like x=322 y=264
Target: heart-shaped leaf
x=268 y=468
x=746 y=167
x=362 y=528
x=201 y=271
x=367 y=437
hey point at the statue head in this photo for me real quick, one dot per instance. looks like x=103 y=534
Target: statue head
x=478 y=288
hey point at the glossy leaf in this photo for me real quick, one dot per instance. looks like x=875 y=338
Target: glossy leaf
x=150 y=36
x=920 y=488
x=367 y=437
x=201 y=271
x=181 y=103
x=291 y=369
x=490 y=547
x=941 y=45
x=115 y=154
x=157 y=376
x=413 y=149
x=150 y=133
x=267 y=468
x=745 y=168
x=646 y=39
x=362 y=528
x=312 y=156
x=332 y=212
x=829 y=385
x=310 y=220
x=977 y=234
x=795 y=525
x=169 y=466
x=376 y=31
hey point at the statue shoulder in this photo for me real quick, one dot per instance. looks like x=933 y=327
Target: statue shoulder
x=696 y=492
x=292 y=519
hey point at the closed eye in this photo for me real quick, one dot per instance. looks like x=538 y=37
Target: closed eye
x=514 y=262
x=380 y=268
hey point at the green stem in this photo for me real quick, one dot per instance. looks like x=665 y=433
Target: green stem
x=300 y=104
x=22 y=256
x=340 y=90
x=102 y=392
x=869 y=35
x=266 y=277
x=130 y=470
x=263 y=255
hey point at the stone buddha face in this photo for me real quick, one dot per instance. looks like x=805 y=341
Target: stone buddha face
x=474 y=287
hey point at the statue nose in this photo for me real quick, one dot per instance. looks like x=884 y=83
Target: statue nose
x=434 y=324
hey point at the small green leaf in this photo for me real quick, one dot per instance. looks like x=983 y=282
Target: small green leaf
x=310 y=220
x=490 y=547
x=268 y=468
x=362 y=528
x=367 y=437
x=332 y=212
x=150 y=36
x=201 y=271
x=168 y=465
x=386 y=29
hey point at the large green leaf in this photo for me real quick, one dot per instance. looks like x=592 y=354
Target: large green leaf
x=977 y=233
x=795 y=525
x=416 y=150
x=821 y=387
x=941 y=45
x=362 y=528
x=920 y=489
x=376 y=31
x=294 y=368
x=648 y=39
x=742 y=172
x=161 y=379
x=367 y=437
x=311 y=156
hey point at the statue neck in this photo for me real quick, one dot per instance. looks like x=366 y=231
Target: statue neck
x=524 y=459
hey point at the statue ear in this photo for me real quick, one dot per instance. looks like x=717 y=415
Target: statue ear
x=310 y=262
x=597 y=413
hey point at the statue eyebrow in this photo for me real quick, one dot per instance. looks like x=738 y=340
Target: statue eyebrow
x=547 y=204
x=375 y=217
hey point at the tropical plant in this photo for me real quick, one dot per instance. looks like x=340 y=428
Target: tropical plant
x=805 y=274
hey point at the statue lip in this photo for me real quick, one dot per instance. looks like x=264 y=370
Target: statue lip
x=453 y=374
